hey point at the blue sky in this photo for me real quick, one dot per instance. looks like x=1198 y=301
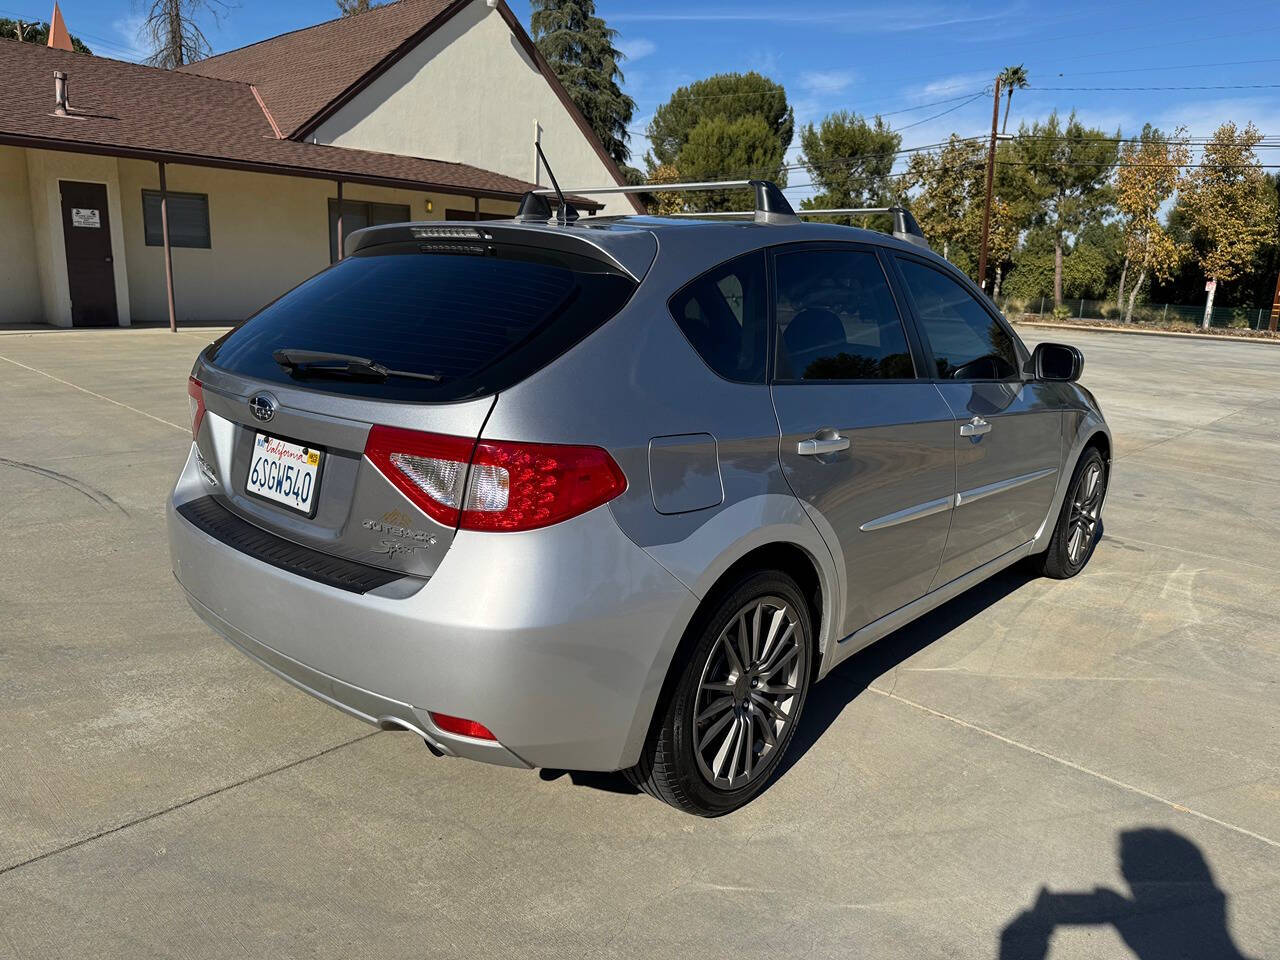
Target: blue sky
x=908 y=59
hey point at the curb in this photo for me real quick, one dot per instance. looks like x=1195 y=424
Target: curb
x=1275 y=341
x=40 y=331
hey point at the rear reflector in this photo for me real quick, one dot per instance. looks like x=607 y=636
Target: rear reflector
x=510 y=486
x=463 y=728
x=195 y=395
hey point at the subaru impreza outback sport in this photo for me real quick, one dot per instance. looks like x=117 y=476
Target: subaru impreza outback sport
x=611 y=494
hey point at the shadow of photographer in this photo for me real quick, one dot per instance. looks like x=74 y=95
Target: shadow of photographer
x=1175 y=910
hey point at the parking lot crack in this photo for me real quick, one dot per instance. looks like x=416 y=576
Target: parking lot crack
x=137 y=821
x=1080 y=768
x=75 y=386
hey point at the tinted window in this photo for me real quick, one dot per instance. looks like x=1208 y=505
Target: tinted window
x=968 y=342
x=188 y=219
x=837 y=319
x=482 y=317
x=724 y=315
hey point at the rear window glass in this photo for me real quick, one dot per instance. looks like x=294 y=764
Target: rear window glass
x=480 y=318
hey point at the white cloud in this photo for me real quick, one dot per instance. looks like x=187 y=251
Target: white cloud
x=952 y=86
x=637 y=49
x=130 y=30
x=826 y=81
x=764 y=61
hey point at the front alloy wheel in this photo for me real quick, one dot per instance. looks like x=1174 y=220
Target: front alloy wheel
x=1080 y=522
x=735 y=701
x=1086 y=512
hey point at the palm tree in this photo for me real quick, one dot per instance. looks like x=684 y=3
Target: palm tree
x=1011 y=79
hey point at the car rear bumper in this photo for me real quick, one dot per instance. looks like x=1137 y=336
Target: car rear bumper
x=557 y=640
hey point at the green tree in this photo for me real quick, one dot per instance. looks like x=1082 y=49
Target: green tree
x=730 y=96
x=1231 y=206
x=580 y=48
x=850 y=160
x=720 y=148
x=949 y=199
x=1011 y=79
x=945 y=184
x=1067 y=169
x=32 y=32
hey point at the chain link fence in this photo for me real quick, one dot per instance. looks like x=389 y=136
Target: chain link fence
x=1174 y=316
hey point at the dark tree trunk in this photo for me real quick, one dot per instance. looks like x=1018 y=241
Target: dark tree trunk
x=1057 y=269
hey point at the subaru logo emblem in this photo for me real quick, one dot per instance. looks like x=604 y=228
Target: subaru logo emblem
x=262 y=406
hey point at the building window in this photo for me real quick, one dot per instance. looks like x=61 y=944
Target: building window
x=188 y=219
x=356 y=215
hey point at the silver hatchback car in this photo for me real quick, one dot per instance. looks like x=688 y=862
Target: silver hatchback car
x=611 y=494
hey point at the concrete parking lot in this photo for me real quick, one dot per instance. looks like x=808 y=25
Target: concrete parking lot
x=1079 y=769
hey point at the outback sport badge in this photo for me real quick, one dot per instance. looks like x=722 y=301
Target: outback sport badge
x=262 y=406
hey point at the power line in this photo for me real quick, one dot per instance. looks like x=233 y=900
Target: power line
x=1175 y=66
x=917 y=123
x=1213 y=86
x=1144 y=166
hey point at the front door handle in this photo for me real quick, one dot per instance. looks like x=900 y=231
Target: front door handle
x=976 y=427
x=810 y=448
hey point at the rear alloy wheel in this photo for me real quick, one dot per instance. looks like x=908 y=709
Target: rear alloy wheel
x=735 y=706
x=1080 y=522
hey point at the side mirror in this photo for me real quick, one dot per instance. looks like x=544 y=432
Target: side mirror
x=1057 y=361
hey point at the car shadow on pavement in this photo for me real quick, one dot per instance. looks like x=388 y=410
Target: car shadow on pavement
x=1175 y=908
x=828 y=698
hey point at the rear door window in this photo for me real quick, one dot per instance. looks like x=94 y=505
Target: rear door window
x=724 y=314
x=837 y=319
x=968 y=343
x=480 y=317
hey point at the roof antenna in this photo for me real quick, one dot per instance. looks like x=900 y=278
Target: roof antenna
x=567 y=214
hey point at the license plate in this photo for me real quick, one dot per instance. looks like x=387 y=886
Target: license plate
x=284 y=472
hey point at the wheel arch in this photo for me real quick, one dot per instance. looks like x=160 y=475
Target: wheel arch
x=1090 y=431
x=790 y=556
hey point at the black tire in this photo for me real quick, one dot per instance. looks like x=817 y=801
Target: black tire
x=671 y=767
x=1081 y=512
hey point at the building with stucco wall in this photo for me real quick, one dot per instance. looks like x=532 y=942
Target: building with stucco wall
x=420 y=109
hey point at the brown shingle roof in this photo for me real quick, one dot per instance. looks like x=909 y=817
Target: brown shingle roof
x=300 y=73
x=125 y=109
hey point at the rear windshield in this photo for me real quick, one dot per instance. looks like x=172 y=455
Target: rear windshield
x=480 y=317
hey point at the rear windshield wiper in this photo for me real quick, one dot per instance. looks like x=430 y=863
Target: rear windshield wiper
x=303 y=362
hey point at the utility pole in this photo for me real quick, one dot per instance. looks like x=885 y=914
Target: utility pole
x=991 y=175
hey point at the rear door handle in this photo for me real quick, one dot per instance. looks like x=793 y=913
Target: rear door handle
x=809 y=448
x=976 y=427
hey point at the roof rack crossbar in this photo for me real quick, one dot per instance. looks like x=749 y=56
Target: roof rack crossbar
x=905 y=226
x=771 y=205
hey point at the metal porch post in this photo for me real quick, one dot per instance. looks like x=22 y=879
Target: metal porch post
x=168 y=251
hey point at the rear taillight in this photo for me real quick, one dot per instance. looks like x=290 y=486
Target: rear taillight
x=195 y=396
x=510 y=486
